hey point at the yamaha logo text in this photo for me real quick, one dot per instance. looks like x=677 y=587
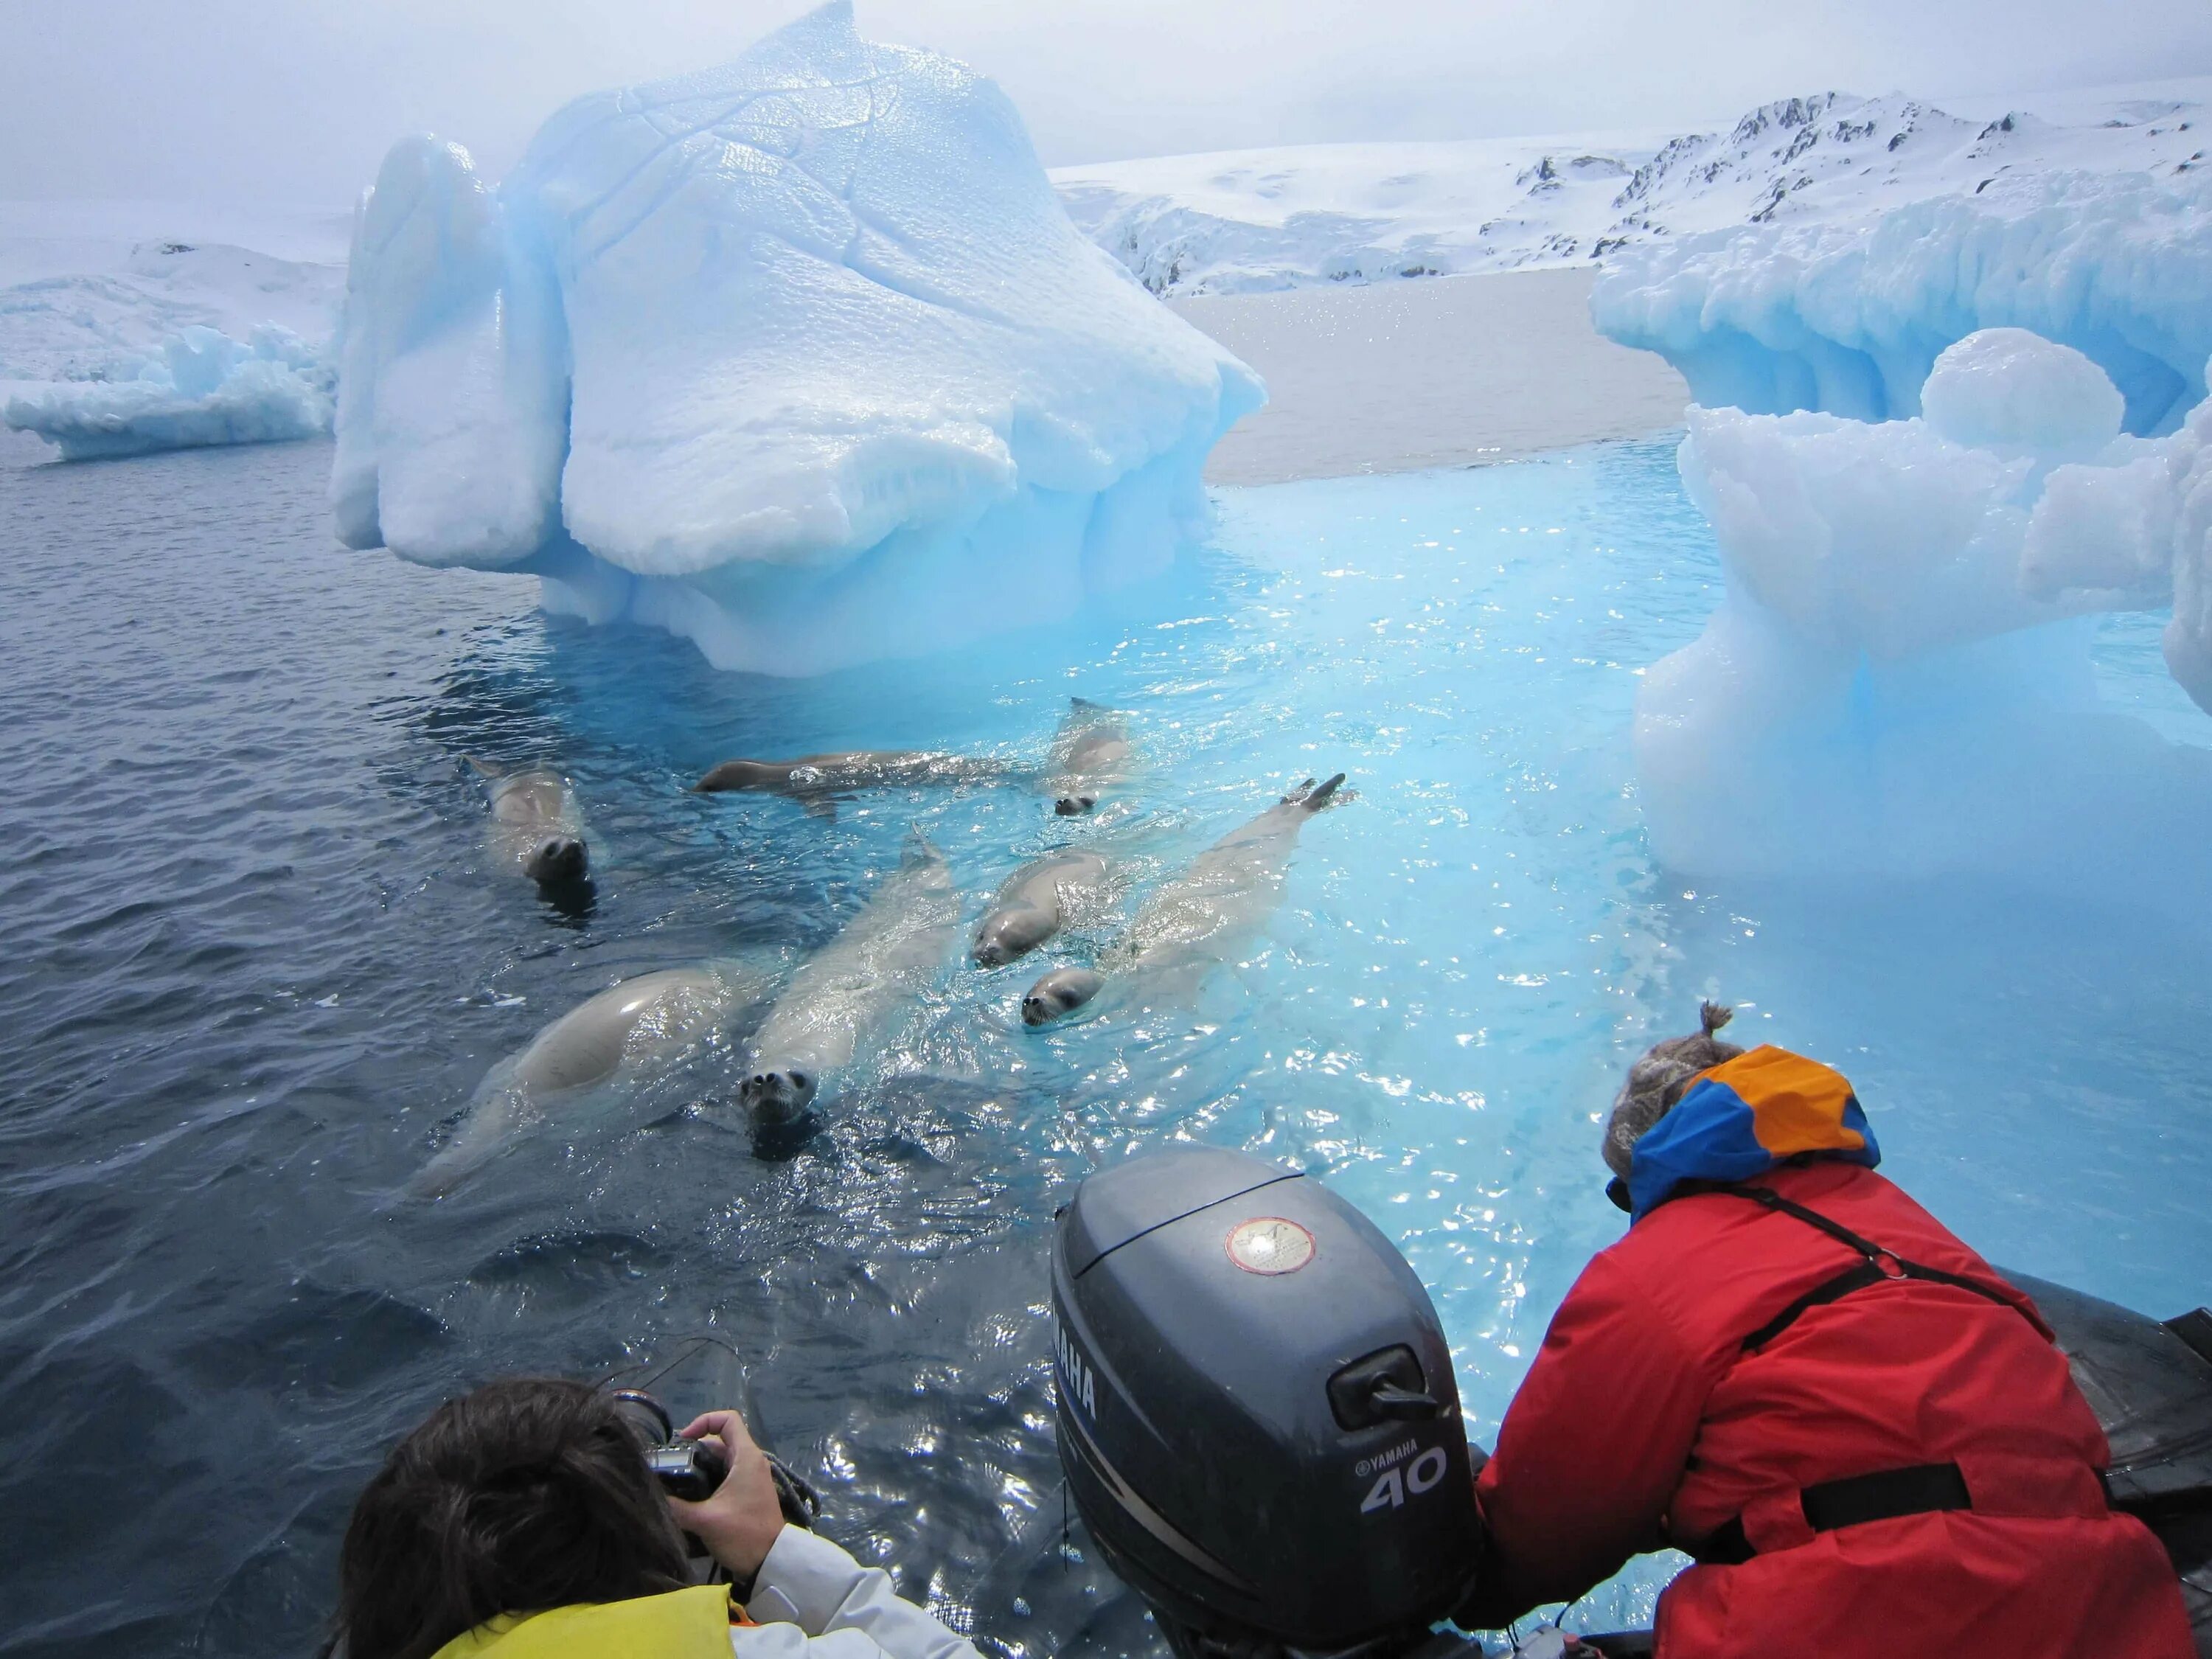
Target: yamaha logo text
x=1079 y=1381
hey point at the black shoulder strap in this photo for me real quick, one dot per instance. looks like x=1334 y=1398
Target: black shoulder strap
x=1874 y=1264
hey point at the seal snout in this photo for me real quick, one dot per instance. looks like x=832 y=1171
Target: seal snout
x=1074 y=806
x=778 y=1096
x=557 y=861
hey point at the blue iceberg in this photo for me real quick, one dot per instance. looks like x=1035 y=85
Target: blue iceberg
x=799 y=357
x=1850 y=317
x=205 y=388
x=1897 y=680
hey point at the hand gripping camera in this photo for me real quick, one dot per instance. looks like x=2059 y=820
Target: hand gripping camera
x=1257 y=1411
x=692 y=1470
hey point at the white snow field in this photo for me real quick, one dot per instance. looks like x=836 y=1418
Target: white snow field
x=1251 y=221
x=799 y=357
x=104 y=304
x=1898 y=678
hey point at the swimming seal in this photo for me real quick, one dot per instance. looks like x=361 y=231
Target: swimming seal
x=847 y=995
x=1033 y=905
x=1062 y=991
x=1091 y=757
x=625 y=1035
x=814 y=780
x=1190 y=923
x=535 y=826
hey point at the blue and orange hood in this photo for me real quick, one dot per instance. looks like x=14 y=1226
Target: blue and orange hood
x=1741 y=1118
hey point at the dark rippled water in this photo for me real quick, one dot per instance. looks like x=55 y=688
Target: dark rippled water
x=256 y=958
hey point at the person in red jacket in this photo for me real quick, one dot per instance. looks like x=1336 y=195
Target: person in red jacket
x=1790 y=1370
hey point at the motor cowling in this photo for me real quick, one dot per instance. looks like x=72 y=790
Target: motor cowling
x=1257 y=1414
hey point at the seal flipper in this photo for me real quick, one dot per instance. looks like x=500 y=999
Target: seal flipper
x=820 y=806
x=920 y=851
x=488 y=770
x=1314 y=799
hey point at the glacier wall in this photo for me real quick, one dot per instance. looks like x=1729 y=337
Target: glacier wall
x=1850 y=317
x=204 y=388
x=799 y=357
x=1898 y=678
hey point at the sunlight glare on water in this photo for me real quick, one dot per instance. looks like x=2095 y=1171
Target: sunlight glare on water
x=258 y=958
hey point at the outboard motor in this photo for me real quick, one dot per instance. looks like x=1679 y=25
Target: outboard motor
x=1257 y=1414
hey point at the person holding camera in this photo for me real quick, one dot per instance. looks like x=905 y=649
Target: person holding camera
x=523 y=1520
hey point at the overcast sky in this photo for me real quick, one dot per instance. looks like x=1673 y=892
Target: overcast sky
x=295 y=100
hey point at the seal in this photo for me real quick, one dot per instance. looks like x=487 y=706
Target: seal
x=1192 y=921
x=624 y=1036
x=814 y=781
x=1034 y=903
x=845 y=996
x=1062 y=991
x=535 y=826
x=1091 y=757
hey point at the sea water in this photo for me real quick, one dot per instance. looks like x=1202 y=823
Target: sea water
x=256 y=956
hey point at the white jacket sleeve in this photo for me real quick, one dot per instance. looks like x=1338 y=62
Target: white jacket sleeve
x=814 y=1602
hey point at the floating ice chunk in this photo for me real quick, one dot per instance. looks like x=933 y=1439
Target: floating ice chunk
x=205 y=388
x=1876 y=540
x=1850 y=317
x=1898 y=678
x=2108 y=531
x=836 y=376
x=2009 y=390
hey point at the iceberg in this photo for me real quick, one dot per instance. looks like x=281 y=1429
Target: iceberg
x=799 y=357
x=1850 y=317
x=1898 y=678
x=204 y=388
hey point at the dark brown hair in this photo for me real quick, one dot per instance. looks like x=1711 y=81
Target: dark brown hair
x=528 y=1494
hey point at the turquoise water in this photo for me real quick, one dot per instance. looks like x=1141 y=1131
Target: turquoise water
x=259 y=959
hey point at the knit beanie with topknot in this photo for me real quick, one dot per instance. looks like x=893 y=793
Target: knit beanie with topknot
x=1660 y=1078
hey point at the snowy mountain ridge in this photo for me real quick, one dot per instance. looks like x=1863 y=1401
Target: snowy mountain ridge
x=1249 y=221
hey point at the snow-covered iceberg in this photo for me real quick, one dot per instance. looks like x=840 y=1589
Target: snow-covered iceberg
x=1850 y=317
x=799 y=357
x=204 y=388
x=1898 y=677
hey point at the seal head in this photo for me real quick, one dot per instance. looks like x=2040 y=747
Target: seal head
x=781 y=1097
x=1060 y=992
x=1011 y=932
x=557 y=861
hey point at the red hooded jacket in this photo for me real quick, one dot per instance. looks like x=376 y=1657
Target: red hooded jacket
x=1647 y=1422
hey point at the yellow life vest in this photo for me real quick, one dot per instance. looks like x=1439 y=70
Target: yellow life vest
x=686 y=1624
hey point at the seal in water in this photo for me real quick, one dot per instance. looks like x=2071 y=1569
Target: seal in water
x=846 y=995
x=535 y=826
x=1034 y=903
x=1192 y=921
x=1090 y=755
x=627 y=1034
x=813 y=779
